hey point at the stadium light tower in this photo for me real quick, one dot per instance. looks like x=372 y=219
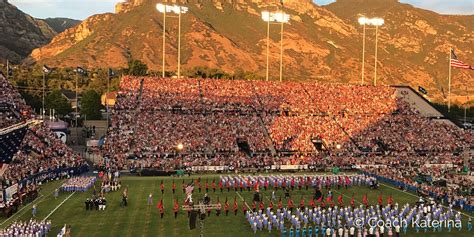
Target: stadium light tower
x=372 y=22
x=179 y=10
x=280 y=18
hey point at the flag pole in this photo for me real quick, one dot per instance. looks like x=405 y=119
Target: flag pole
x=465 y=105
x=376 y=52
x=281 y=53
x=164 y=42
x=363 y=56
x=106 y=100
x=449 y=80
x=44 y=79
x=268 y=46
x=8 y=69
x=179 y=43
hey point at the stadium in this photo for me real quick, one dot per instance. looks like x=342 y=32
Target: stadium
x=194 y=156
x=236 y=142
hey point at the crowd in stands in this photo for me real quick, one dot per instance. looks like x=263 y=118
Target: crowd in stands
x=13 y=108
x=40 y=150
x=280 y=122
x=153 y=115
x=27 y=228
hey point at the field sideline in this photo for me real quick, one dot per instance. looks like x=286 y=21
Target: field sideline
x=139 y=219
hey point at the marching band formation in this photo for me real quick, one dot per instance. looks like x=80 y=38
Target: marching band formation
x=306 y=181
x=31 y=228
x=78 y=184
x=358 y=221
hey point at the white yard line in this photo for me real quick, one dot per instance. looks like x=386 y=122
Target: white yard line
x=57 y=207
x=248 y=207
x=411 y=194
x=37 y=201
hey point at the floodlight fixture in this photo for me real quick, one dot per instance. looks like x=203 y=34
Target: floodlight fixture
x=171 y=8
x=179 y=10
x=279 y=17
x=371 y=21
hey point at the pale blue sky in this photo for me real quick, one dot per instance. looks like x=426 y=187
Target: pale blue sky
x=81 y=9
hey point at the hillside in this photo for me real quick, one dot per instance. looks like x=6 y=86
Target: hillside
x=20 y=33
x=61 y=24
x=321 y=43
x=416 y=38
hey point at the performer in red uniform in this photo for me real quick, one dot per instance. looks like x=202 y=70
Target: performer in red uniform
x=176 y=208
x=161 y=208
x=226 y=207
x=236 y=206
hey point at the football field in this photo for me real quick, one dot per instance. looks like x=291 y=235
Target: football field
x=141 y=219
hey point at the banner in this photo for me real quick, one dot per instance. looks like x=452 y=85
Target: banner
x=209 y=168
x=10 y=191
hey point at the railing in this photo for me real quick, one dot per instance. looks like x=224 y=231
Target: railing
x=411 y=188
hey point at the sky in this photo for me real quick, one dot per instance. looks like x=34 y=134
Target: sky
x=81 y=9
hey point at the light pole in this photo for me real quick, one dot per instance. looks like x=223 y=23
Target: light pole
x=45 y=70
x=373 y=22
x=280 y=18
x=179 y=10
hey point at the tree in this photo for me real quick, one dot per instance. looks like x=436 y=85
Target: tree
x=90 y=105
x=56 y=101
x=137 y=68
x=32 y=100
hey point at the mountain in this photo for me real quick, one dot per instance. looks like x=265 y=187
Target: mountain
x=418 y=41
x=20 y=33
x=61 y=24
x=320 y=43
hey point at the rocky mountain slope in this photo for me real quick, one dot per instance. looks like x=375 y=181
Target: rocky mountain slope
x=61 y=24
x=20 y=33
x=320 y=43
x=419 y=41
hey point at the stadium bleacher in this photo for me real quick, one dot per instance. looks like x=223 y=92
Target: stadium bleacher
x=10 y=143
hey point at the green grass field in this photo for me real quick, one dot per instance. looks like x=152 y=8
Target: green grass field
x=139 y=219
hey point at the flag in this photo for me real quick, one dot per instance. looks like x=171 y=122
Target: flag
x=455 y=62
x=189 y=189
x=81 y=71
x=9 y=69
x=111 y=73
x=46 y=69
x=352 y=201
x=380 y=200
x=422 y=90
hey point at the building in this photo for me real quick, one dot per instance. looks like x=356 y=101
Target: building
x=71 y=97
x=108 y=98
